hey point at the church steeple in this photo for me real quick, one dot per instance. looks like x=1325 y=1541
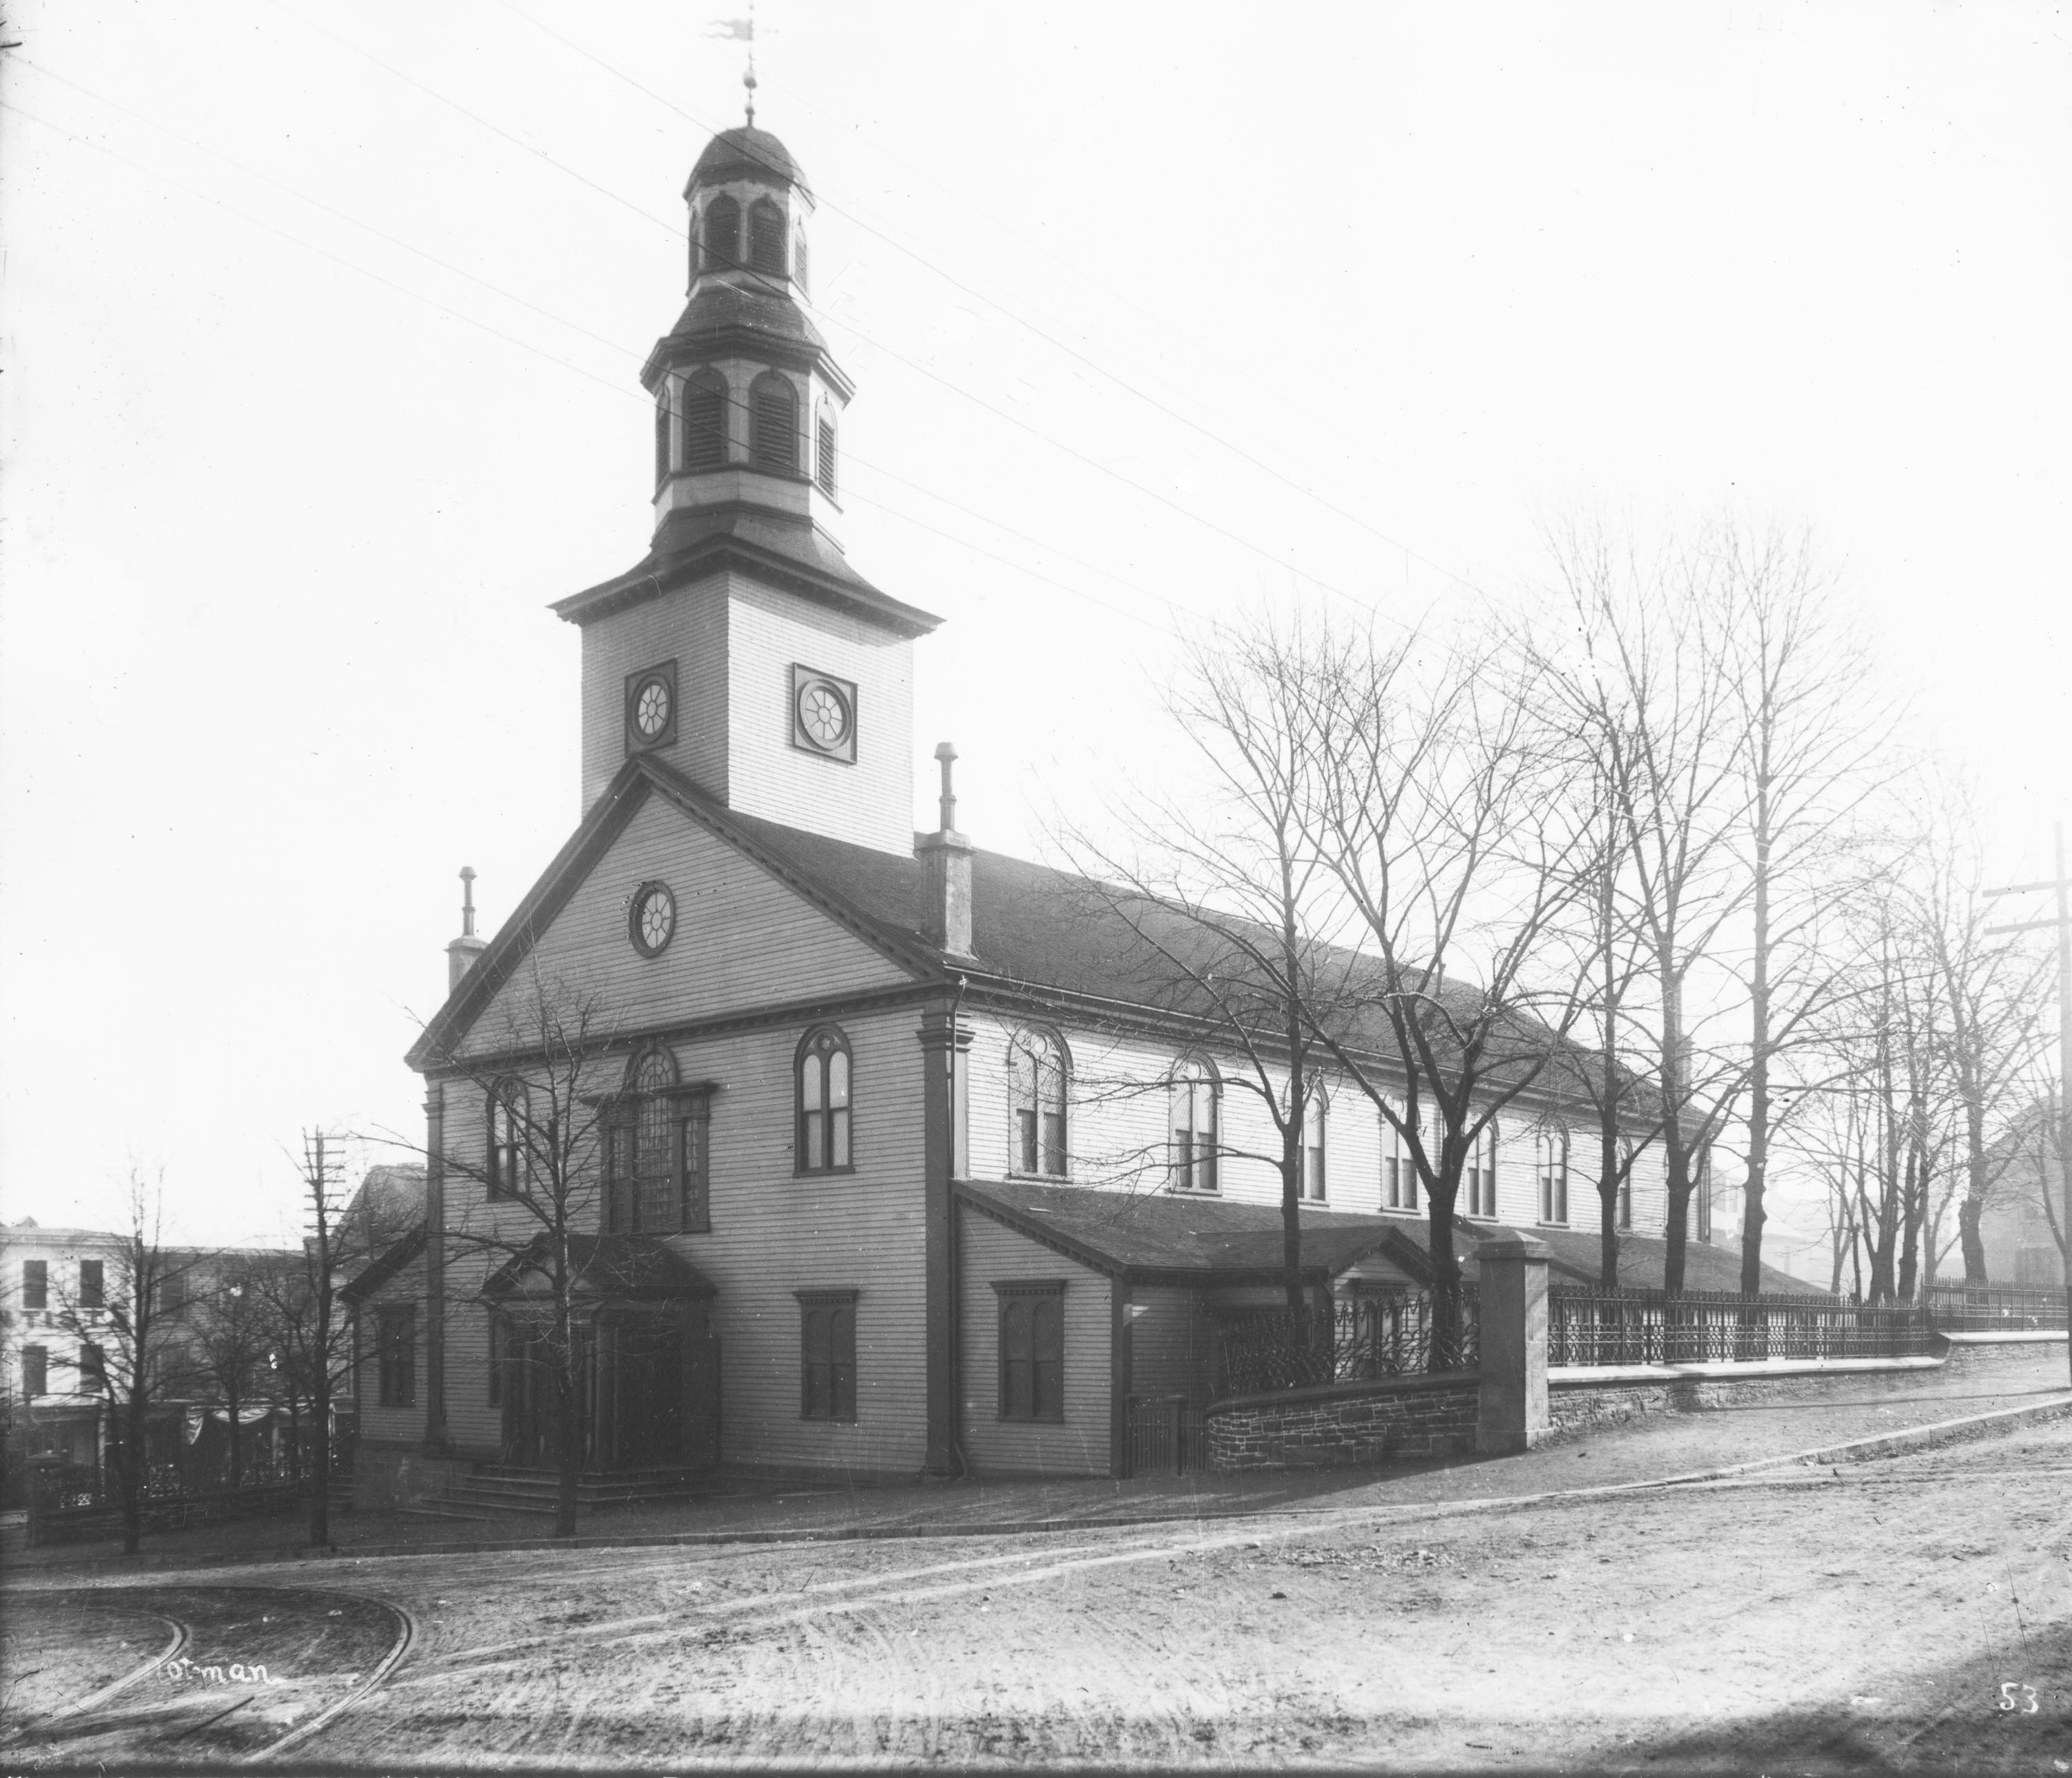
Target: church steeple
x=748 y=399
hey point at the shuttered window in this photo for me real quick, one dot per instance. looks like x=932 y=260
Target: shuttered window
x=826 y=1366
x=91 y=1290
x=704 y=421
x=35 y=1371
x=1032 y=1350
x=824 y=468
x=766 y=238
x=35 y=1283
x=774 y=413
x=398 y=1350
x=722 y=235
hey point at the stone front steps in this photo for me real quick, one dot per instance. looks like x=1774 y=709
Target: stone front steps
x=500 y=1487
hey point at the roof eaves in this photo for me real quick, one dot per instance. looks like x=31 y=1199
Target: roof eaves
x=399 y=1254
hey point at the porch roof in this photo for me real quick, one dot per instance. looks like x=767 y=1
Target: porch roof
x=637 y=1266
x=1160 y=1235
x=1574 y=1258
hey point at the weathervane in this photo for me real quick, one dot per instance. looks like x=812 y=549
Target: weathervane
x=742 y=30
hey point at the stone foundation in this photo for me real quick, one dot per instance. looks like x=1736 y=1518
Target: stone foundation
x=1343 y=1423
x=1580 y=1402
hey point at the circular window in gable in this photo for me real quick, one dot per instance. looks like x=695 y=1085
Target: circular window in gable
x=651 y=922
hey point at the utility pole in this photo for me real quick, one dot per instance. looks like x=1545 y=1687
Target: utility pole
x=2063 y=924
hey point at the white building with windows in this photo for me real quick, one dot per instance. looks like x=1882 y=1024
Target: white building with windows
x=905 y=1165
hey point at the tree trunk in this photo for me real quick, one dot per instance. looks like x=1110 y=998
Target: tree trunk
x=1973 y=1244
x=230 y=1459
x=1753 y=1214
x=568 y=1440
x=130 y=1472
x=1676 y=1156
x=1440 y=1195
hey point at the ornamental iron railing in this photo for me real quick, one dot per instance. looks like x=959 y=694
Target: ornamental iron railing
x=1371 y=1335
x=1994 y=1308
x=1644 y=1327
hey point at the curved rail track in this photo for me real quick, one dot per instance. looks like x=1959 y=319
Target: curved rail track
x=247 y=1673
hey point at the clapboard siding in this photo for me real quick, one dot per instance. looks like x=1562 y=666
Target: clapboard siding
x=1079 y=1445
x=773 y=1233
x=391 y=1425
x=744 y=938
x=869 y=802
x=688 y=626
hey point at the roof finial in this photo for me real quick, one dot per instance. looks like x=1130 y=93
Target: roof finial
x=748 y=79
x=467 y=901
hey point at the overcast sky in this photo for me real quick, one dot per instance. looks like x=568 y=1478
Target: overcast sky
x=321 y=334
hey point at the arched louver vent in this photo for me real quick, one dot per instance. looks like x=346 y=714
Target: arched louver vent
x=662 y=434
x=723 y=234
x=823 y=469
x=766 y=238
x=704 y=421
x=697 y=227
x=775 y=413
x=799 y=261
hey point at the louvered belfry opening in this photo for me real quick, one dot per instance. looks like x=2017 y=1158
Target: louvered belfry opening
x=704 y=421
x=823 y=469
x=723 y=234
x=775 y=415
x=798 y=260
x=662 y=435
x=766 y=238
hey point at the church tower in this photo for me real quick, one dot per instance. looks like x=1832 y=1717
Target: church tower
x=743 y=650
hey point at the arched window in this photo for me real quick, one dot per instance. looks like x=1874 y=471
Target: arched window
x=766 y=237
x=510 y=1119
x=1196 y=1110
x=662 y=435
x=1036 y=1069
x=704 y=421
x=798 y=259
x=823 y=1102
x=655 y=1148
x=774 y=419
x=722 y=235
x=1399 y=1166
x=1480 y=1175
x=824 y=455
x=1552 y=1165
x=1316 y=1128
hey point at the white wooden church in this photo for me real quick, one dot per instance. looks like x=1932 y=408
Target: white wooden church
x=859 y=1210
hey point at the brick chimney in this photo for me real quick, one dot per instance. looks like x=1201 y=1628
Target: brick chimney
x=463 y=952
x=946 y=861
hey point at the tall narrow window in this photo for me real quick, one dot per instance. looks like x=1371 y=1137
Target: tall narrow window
x=704 y=421
x=93 y=1365
x=1399 y=1166
x=509 y=1118
x=654 y=1151
x=1032 y=1350
x=35 y=1283
x=91 y=1293
x=774 y=418
x=398 y=1338
x=1553 y=1171
x=798 y=260
x=722 y=235
x=1701 y=1196
x=1036 y=1070
x=35 y=1371
x=823 y=461
x=1625 y=1185
x=1315 y=1130
x=1195 y=1113
x=824 y=1106
x=698 y=228
x=1480 y=1176
x=827 y=1355
x=766 y=237
x=662 y=435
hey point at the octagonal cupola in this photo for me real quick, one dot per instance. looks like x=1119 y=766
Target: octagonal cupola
x=748 y=400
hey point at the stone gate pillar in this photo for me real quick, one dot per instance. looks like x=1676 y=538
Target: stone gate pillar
x=1512 y=1412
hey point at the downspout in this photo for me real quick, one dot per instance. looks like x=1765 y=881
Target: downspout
x=956 y=1282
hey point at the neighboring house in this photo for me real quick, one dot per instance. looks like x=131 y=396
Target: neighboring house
x=54 y=1286
x=909 y=1168
x=2015 y=1227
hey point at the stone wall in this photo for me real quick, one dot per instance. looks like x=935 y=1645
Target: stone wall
x=1428 y=1416
x=1579 y=1404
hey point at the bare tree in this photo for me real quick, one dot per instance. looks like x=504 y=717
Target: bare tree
x=1221 y=900
x=230 y=1337
x=132 y=1355
x=551 y=1071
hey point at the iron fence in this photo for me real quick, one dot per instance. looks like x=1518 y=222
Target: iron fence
x=1371 y=1335
x=1642 y=1327
x=1167 y=1436
x=1994 y=1308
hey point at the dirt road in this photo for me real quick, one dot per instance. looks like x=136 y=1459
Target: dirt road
x=1911 y=1613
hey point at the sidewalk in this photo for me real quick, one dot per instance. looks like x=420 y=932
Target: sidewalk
x=1659 y=1446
